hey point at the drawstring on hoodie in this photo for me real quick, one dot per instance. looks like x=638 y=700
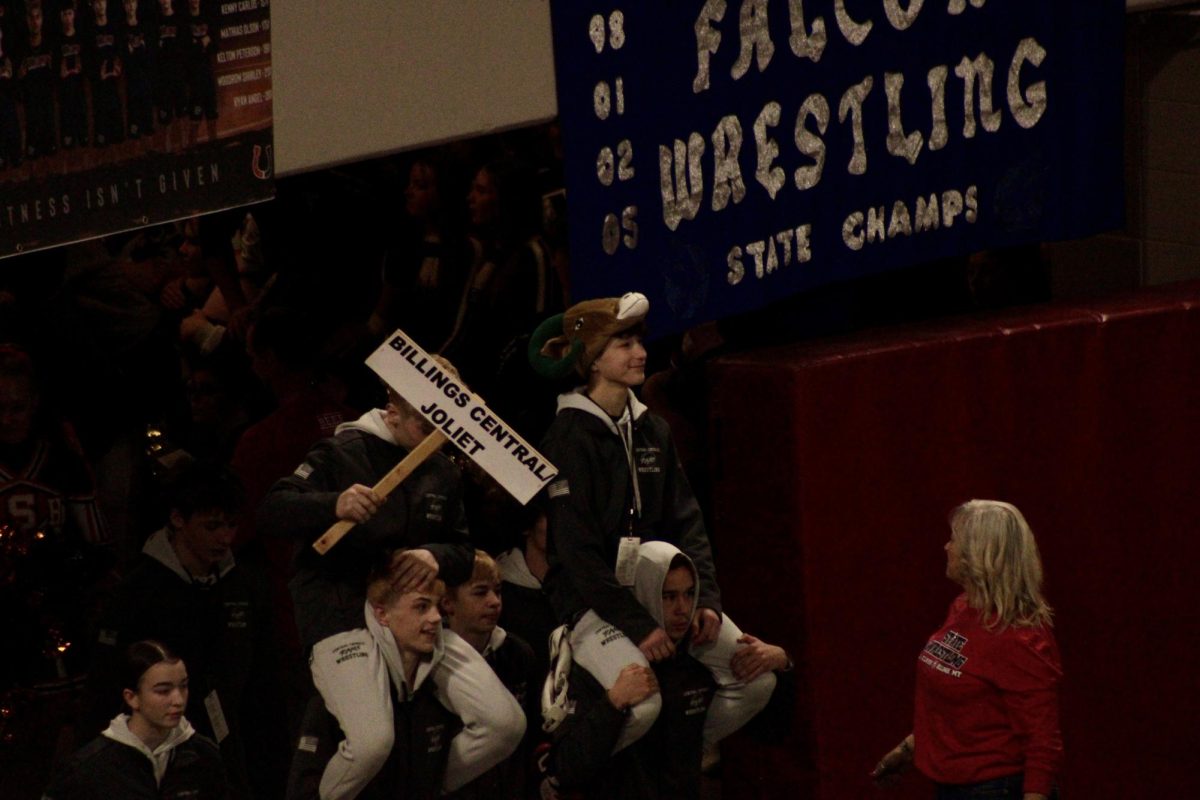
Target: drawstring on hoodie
x=622 y=426
x=625 y=428
x=160 y=757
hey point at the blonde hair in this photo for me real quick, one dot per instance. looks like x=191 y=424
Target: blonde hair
x=486 y=569
x=381 y=585
x=1001 y=569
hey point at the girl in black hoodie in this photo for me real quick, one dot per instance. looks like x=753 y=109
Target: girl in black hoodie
x=151 y=751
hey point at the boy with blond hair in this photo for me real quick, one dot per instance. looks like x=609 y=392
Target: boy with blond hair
x=418 y=533
x=447 y=718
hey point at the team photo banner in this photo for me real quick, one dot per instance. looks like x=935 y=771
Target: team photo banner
x=117 y=115
x=722 y=154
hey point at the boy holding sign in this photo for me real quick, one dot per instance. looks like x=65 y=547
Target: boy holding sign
x=620 y=484
x=425 y=514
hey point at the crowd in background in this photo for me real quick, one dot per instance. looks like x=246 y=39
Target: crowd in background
x=239 y=338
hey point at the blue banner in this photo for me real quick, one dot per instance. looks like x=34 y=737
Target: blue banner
x=722 y=154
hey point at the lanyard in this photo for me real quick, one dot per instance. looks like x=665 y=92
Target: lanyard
x=626 y=431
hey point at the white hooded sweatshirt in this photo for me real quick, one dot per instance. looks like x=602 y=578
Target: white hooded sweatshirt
x=160 y=757
x=650 y=573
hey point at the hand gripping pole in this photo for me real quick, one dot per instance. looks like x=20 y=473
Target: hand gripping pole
x=428 y=446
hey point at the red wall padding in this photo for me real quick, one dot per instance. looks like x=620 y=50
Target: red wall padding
x=835 y=465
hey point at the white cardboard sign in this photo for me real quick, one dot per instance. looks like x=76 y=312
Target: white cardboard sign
x=462 y=416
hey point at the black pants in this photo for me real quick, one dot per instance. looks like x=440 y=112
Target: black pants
x=1010 y=787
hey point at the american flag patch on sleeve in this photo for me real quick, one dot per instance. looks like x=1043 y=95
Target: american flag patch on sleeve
x=558 y=489
x=303 y=471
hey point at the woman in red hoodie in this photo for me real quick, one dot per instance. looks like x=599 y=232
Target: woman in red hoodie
x=986 y=716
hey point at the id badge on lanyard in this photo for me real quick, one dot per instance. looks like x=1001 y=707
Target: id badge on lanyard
x=627 y=556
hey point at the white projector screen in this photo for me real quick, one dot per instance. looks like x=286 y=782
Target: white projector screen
x=360 y=78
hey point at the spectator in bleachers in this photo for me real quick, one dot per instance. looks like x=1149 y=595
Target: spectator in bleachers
x=190 y=279
x=986 y=714
x=512 y=284
x=149 y=749
x=283 y=345
x=426 y=263
x=52 y=531
x=54 y=556
x=99 y=328
x=218 y=390
x=225 y=309
x=206 y=259
x=47 y=487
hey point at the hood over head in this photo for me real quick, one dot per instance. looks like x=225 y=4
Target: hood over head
x=650 y=573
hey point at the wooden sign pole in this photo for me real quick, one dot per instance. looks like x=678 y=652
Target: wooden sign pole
x=428 y=446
